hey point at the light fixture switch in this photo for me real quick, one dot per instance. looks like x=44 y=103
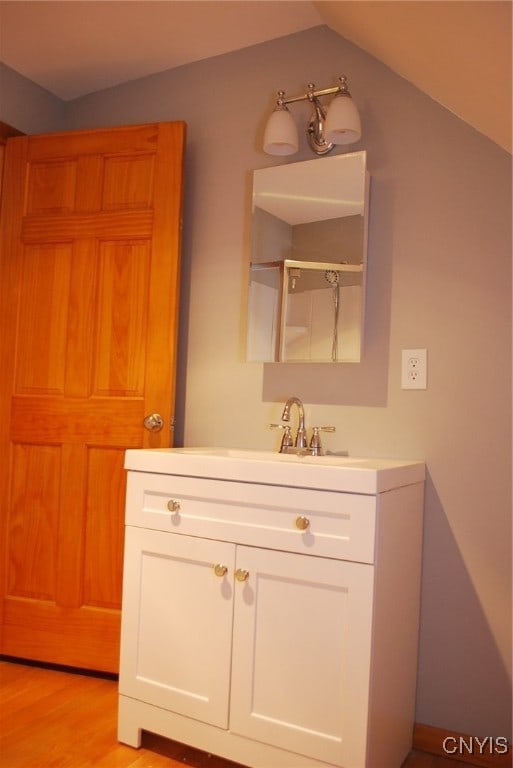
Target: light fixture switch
x=414 y=369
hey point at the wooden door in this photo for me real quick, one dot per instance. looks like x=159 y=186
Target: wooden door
x=301 y=654
x=177 y=623
x=89 y=269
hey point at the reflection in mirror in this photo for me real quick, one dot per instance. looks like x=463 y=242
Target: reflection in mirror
x=308 y=261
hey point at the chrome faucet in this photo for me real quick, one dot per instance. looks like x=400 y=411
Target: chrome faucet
x=300 y=446
x=301 y=438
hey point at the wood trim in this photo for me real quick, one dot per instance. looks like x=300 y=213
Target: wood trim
x=7 y=131
x=427 y=738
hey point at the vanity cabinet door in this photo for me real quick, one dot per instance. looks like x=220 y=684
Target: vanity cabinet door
x=301 y=654
x=177 y=623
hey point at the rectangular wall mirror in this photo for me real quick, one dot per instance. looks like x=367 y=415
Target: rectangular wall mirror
x=308 y=264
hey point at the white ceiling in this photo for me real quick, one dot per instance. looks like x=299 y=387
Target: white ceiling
x=457 y=51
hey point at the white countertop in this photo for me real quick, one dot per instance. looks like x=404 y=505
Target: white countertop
x=330 y=473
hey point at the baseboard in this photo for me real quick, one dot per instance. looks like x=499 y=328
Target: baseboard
x=484 y=753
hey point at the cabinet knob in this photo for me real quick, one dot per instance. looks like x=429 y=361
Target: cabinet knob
x=241 y=574
x=220 y=569
x=173 y=506
x=302 y=522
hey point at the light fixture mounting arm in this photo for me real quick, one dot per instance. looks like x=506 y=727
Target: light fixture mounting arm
x=312 y=94
x=315 y=130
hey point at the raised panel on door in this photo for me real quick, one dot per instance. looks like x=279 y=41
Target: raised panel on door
x=124 y=269
x=104 y=533
x=89 y=270
x=177 y=623
x=45 y=273
x=301 y=654
x=34 y=541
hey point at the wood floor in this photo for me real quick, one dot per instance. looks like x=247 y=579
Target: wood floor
x=57 y=719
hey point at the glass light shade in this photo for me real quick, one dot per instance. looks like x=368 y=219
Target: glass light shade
x=342 y=124
x=280 y=136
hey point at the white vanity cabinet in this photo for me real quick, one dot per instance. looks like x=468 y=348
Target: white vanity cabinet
x=272 y=625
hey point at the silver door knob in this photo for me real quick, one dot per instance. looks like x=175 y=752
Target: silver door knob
x=154 y=422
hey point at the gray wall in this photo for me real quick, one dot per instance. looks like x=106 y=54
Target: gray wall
x=26 y=106
x=439 y=277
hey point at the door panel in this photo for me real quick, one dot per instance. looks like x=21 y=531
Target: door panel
x=177 y=623
x=33 y=541
x=42 y=325
x=103 y=556
x=123 y=280
x=301 y=654
x=89 y=275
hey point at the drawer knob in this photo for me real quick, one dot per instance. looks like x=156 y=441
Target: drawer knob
x=220 y=569
x=241 y=574
x=173 y=506
x=302 y=522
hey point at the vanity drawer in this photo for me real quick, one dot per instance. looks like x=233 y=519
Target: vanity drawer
x=315 y=522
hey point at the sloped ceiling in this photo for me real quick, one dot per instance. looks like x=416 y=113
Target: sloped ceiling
x=457 y=51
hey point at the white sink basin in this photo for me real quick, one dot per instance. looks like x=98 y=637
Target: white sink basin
x=331 y=472
x=248 y=454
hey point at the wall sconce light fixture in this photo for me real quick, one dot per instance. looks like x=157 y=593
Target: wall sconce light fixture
x=339 y=125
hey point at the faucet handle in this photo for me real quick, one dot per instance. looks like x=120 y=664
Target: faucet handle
x=286 y=441
x=316 y=430
x=315 y=441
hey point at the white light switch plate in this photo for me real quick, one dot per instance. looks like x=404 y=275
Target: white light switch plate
x=414 y=369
